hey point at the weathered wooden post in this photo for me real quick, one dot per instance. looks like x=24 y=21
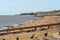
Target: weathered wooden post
x=45 y=38
x=32 y=36
x=45 y=34
x=4 y=39
x=35 y=28
x=59 y=33
x=17 y=38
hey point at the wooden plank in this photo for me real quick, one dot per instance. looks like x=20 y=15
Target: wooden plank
x=30 y=27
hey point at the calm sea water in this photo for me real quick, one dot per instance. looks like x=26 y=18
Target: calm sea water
x=6 y=20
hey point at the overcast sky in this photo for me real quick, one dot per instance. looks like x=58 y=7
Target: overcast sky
x=11 y=7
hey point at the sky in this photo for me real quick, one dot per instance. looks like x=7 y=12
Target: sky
x=12 y=7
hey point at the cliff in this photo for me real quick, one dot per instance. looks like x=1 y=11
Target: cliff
x=48 y=13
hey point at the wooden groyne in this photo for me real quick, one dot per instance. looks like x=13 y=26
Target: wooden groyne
x=23 y=28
